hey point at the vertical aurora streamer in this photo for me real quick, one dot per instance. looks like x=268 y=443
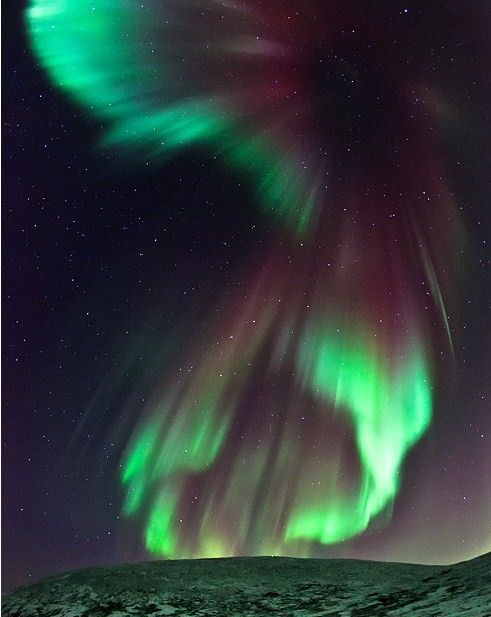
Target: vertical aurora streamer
x=390 y=408
x=330 y=342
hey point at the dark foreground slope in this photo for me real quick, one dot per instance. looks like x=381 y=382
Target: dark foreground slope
x=261 y=586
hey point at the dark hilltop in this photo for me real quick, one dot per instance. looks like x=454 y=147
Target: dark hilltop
x=246 y=586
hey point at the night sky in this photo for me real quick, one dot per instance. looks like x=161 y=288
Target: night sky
x=246 y=281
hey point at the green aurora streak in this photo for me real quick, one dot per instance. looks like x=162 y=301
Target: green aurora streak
x=390 y=407
x=93 y=52
x=80 y=45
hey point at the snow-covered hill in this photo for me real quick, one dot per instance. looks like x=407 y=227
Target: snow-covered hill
x=261 y=586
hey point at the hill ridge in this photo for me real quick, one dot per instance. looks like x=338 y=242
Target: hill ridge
x=236 y=586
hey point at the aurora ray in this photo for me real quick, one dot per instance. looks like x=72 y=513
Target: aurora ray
x=332 y=336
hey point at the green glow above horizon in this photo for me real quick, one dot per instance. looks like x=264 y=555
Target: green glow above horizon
x=386 y=400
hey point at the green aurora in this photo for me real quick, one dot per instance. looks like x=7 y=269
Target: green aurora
x=281 y=497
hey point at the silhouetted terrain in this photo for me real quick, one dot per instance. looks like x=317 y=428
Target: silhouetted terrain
x=261 y=586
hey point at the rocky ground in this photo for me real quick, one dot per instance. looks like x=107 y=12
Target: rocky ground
x=245 y=586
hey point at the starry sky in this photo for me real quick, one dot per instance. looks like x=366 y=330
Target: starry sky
x=246 y=281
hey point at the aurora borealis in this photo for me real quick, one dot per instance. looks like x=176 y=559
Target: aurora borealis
x=280 y=414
